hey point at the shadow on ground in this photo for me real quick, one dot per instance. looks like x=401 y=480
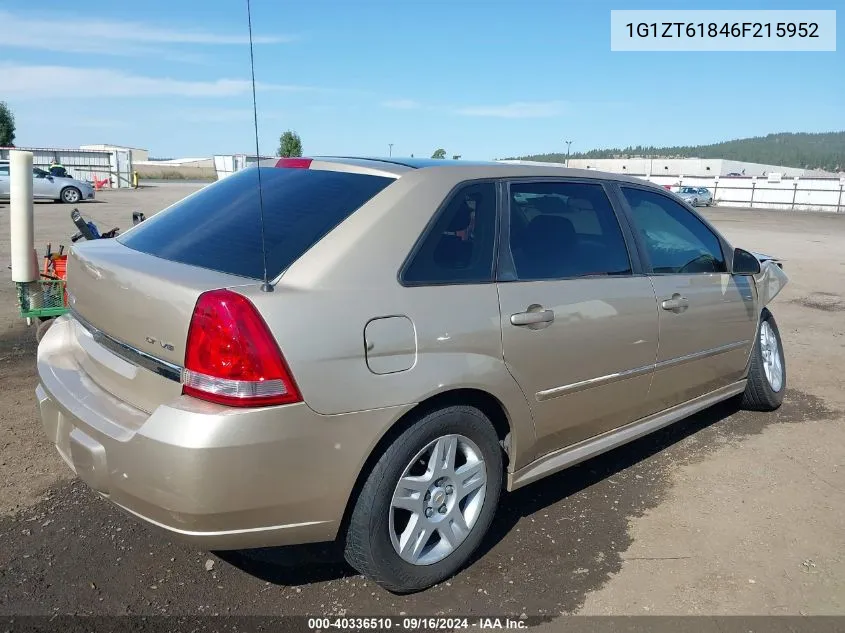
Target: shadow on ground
x=312 y=563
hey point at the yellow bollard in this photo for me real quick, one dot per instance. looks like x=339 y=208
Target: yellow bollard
x=135 y=179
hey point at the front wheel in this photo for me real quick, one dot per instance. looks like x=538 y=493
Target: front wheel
x=767 y=374
x=428 y=502
x=71 y=195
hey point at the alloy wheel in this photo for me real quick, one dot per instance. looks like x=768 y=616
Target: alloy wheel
x=437 y=500
x=772 y=361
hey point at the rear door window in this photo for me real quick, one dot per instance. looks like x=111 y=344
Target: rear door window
x=219 y=227
x=561 y=230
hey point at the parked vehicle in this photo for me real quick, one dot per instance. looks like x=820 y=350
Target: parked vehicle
x=696 y=196
x=437 y=332
x=47 y=187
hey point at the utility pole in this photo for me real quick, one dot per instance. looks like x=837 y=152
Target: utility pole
x=390 y=145
x=568 y=143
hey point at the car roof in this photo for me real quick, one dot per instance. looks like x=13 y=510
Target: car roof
x=413 y=163
x=396 y=166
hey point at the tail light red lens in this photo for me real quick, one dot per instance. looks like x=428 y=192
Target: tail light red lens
x=294 y=163
x=232 y=358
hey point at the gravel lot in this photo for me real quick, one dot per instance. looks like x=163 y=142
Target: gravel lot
x=725 y=513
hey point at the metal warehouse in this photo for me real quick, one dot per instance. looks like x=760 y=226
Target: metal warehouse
x=111 y=165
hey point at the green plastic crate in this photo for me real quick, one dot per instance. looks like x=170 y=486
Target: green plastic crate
x=42 y=299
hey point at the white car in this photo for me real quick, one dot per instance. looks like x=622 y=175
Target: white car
x=47 y=187
x=695 y=196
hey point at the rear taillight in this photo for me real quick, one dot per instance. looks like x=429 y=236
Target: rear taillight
x=294 y=163
x=232 y=358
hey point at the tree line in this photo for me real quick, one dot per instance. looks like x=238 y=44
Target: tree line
x=7 y=126
x=824 y=150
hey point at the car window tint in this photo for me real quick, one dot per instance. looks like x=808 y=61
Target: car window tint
x=675 y=239
x=4 y=170
x=219 y=227
x=458 y=246
x=563 y=230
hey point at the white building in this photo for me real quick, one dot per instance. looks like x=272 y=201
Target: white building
x=644 y=166
x=136 y=154
x=112 y=166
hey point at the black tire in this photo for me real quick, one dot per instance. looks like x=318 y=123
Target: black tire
x=368 y=547
x=759 y=394
x=71 y=195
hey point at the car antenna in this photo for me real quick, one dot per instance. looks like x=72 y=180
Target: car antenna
x=266 y=286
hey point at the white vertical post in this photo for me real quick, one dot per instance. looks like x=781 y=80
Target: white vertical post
x=21 y=218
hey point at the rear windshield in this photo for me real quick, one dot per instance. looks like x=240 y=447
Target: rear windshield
x=219 y=227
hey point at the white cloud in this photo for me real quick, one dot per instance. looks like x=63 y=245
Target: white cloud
x=68 y=82
x=75 y=33
x=518 y=110
x=402 y=104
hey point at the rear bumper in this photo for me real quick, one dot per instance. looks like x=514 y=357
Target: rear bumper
x=221 y=478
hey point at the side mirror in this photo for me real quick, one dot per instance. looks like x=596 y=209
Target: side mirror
x=745 y=263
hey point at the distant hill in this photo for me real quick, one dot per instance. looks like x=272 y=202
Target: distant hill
x=806 y=151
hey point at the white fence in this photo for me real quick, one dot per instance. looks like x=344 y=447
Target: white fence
x=798 y=193
x=789 y=194
x=115 y=166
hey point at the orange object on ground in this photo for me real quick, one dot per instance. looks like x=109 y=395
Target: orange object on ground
x=55 y=267
x=60 y=266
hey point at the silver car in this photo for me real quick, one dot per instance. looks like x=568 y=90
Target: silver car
x=696 y=196
x=47 y=187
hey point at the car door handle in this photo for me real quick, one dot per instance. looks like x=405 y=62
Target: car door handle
x=676 y=304
x=533 y=317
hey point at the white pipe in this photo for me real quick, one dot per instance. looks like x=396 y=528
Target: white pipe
x=21 y=219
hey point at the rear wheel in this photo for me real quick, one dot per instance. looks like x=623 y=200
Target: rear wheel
x=767 y=375
x=428 y=502
x=71 y=195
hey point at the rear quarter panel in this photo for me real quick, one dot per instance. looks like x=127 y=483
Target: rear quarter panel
x=322 y=304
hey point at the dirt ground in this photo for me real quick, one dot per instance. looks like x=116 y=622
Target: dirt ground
x=725 y=513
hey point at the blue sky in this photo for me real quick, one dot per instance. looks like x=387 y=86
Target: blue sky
x=480 y=78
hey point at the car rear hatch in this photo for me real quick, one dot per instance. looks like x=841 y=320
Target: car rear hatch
x=132 y=312
x=133 y=297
